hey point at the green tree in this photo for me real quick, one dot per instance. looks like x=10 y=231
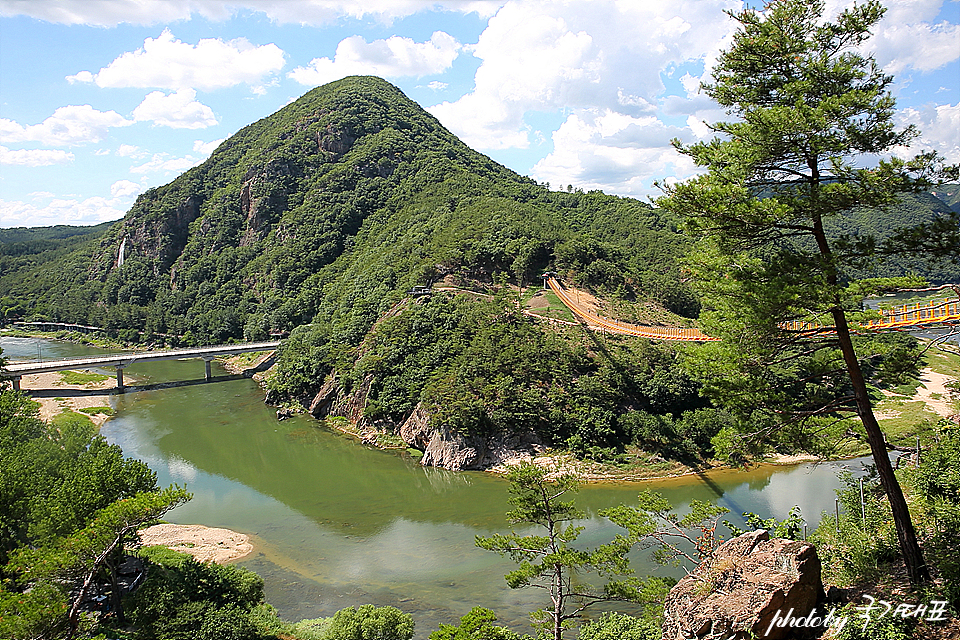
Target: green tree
x=552 y=563
x=183 y=599
x=54 y=478
x=476 y=625
x=618 y=626
x=71 y=564
x=807 y=105
x=368 y=622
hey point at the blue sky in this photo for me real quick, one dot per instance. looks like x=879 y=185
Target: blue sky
x=103 y=99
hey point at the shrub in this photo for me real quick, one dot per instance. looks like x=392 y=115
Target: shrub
x=618 y=626
x=476 y=625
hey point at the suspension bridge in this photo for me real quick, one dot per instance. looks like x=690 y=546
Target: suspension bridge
x=911 y=316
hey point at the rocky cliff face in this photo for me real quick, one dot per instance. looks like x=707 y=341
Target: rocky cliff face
x=750 y=584
x=441 y=446
x=157 y=241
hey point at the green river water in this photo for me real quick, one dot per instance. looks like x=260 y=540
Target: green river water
x=336 y=524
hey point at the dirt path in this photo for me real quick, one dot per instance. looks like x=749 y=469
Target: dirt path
x=934 y=384
x=206 y=544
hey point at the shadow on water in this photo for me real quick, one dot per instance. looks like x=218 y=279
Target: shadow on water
x=130 y=388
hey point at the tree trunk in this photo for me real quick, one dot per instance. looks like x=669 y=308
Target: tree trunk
x=558 y=603
x=909 y=547
x=116 y=602
x=912 y=555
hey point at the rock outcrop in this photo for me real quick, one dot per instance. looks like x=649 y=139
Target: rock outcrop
x=749 y=581
x=441 y=446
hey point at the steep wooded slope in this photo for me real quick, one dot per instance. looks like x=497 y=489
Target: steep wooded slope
x=332 y=205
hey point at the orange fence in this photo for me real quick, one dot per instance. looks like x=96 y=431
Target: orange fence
x=945 y=312
x=656 y=333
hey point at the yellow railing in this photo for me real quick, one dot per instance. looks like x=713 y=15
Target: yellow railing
x=655 y=333
x=945 y=312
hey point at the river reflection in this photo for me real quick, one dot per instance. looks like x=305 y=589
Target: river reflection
x=336 y=523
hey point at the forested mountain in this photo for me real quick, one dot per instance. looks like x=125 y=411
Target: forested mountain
x=909 y=210
x=333 y=204
x=315 y=222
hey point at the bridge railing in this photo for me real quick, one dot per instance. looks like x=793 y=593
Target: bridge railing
x=657 y=333
x=918 y=314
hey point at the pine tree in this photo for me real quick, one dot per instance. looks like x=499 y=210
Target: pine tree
x=807 y=106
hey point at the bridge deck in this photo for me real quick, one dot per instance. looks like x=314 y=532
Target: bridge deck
x=904 y=317
x=615 y=326
x=19 y=369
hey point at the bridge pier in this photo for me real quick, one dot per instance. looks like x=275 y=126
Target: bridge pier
x=16 y=383
x=206 y=369
x=120 y=379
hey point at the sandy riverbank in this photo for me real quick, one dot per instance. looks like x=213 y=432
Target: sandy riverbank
x=206 y=544
x=55 y=395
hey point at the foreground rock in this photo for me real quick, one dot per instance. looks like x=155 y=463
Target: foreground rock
x=750 y=580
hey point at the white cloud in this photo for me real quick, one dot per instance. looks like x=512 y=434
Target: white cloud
x=83 y=76
x=614 y=152
x=125 y=189
x=907 y=38
x=392 y=58
x=580 y=58
x=699 y=128
x=206 y=148
x=939 y=128
x=163 y=163
x=68 y=126
x=34 y=157
x=436 y=85
x=920 y=46
x=130 y=151
x=167 y=63
x=15 y=213
x=178 y=110
x=313 y=12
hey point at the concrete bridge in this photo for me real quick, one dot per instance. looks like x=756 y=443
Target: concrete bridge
x=17 y=370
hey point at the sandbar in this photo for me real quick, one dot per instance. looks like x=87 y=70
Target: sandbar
x=206 y=544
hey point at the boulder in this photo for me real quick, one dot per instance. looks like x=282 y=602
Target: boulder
x=736 y=595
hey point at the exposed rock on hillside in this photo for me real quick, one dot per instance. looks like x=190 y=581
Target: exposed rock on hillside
x=750 y=580
x=441 y=446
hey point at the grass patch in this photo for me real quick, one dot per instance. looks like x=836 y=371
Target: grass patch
x=912 y=419
x=68 y=418
x=908 y=389
x=915 y=419
x=945 y=362
x=553 y=309
x=245 y=360
x=92 y=411
x=82 y=377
